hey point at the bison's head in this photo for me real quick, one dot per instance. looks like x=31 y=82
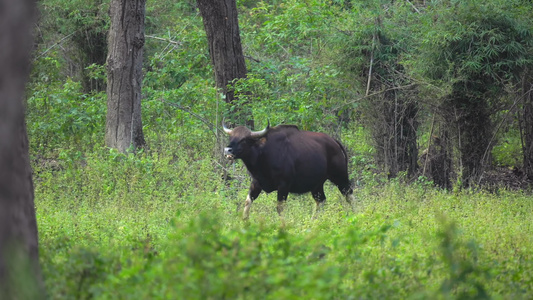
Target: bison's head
x=241 y=141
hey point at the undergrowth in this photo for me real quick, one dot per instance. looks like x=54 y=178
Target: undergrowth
x=150 y=226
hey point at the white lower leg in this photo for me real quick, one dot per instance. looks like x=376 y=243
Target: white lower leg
x=247 y=206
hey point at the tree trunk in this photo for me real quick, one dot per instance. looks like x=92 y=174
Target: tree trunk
x=527 y=126
x=124 y=75
x=222 y=28
x=20 y=276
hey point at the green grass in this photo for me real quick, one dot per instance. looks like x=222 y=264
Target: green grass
x=150 y=227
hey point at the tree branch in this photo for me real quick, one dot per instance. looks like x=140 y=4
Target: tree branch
x=53 y=46
x=371 y=64
x=165 y=40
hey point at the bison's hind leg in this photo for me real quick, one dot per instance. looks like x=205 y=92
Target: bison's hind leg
x=320 y=199
x=345 y=187
x=348 y=194
x=347 y=191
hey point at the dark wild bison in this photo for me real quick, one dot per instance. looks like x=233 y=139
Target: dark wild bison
x=288 y=160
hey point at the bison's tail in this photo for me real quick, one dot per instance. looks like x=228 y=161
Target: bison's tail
x=343 y=152
x=350 y=182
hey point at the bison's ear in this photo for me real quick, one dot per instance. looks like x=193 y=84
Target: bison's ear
x=262 y=141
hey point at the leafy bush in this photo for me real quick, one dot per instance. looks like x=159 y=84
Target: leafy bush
x=63 y=117
x=508 y=152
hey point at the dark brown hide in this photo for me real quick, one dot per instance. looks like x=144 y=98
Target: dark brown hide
x=288 y=160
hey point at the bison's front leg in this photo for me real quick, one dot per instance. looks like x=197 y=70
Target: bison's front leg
x=283 y=192
x=253 y=193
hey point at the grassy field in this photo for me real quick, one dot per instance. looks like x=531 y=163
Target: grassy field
x=162 y=224
x=151 y=227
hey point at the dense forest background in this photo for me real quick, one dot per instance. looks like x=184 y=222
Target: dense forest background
x=433 y=100
x=441 y=90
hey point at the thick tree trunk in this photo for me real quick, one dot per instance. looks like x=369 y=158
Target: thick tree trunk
x=124 y=75
x=222 y=28
x=19 y=258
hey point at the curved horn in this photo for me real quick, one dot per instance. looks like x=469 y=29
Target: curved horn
x=260 y=134
x=226 y=130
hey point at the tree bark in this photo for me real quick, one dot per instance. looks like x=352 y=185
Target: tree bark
x=222 y=28
x=124 y=75
x=527 y=125
x=20 y=276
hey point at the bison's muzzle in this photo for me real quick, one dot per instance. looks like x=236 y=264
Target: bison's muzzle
x=228 y=153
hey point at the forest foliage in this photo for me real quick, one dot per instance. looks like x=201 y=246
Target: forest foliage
x=422 y=93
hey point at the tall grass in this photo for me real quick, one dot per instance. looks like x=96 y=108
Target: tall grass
x=156 y=226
